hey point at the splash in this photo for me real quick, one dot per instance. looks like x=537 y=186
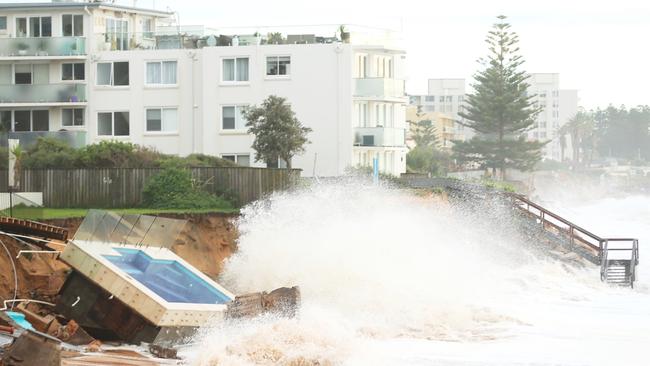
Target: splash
x=375 y=263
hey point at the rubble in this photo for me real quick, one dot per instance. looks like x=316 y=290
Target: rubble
x=107 y=296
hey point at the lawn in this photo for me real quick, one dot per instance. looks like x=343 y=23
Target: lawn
x=38 y=213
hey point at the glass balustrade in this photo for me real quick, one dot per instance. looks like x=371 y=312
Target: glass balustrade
x=42 y=46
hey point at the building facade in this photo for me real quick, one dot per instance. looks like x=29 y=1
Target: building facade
x=446 y=96
x=558 y=106
x=87 y=72
x=444 y=126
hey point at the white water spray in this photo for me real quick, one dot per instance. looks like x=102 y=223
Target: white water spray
x=379 y=267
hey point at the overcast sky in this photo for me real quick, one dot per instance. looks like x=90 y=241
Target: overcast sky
x=600 y=48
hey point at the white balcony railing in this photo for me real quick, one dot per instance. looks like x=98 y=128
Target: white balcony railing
x=379 y=136
x=379 y=88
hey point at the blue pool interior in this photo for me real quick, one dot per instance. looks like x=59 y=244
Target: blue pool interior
x=167 y=278
x=19 y=318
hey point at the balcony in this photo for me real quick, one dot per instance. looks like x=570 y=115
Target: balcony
x=76 y=139
x=43 y=47
x=379 y=136
x=42 y=94
x=380 y=88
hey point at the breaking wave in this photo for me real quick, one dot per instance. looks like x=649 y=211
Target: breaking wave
x=375 y=264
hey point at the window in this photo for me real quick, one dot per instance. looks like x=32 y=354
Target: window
x=37 y=120
x=72 y=117
x=113 y=123
x=429 y=98
x=147 y=28
x=5 y=121
x=239 y=159
x=73 y=71
x=278 y=65
x=429 y=108
x=35 y=27
x=162 y=120
x=113 y=73
x=72 y=25
x=21 y=27
x=361 y=66
x=235 y=69
x=3 y=23
x=22 y=74
x=117 y=34
x=450 y=98
x=161 y=72
x=390 y=68
x=441 y=98
x=232 y=118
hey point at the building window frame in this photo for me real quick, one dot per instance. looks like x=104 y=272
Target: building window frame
x=162 y=130
x=112 y=134
x=147 y=28
x=4 y=23
x=278 y=68
x=161 y=74
x=28 y=26
x=75 y=20
x=75 y=112
x=234 y=157
x=111 y=83
x=31 y=119
x=74 y=68
x=235 y=60
x=242 y=121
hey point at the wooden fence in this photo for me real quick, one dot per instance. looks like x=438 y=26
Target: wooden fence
x=122 y=187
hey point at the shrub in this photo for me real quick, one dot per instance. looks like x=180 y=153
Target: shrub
x=173 y=188
x=49 y=153
x=118 y=154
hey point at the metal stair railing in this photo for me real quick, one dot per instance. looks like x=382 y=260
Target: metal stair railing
x=579 y=235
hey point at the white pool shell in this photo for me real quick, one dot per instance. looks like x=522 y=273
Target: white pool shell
x=87 y=257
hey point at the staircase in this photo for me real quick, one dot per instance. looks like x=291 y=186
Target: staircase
x=617 y=257
x=619 y=260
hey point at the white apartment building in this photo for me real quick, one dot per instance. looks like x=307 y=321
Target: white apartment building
x=558 y=106
x=445 y=96
x=86 y=72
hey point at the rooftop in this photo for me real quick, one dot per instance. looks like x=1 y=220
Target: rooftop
x=80 y=4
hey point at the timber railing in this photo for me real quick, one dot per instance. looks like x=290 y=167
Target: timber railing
x=122 y=187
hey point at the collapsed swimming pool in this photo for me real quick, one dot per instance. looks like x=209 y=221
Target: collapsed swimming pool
x=167 y=278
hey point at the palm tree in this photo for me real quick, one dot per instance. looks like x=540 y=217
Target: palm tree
x=579 y=127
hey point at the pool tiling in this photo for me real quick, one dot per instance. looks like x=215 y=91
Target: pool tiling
x=115 y=275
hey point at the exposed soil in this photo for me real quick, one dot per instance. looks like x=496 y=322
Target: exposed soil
x=205 y=242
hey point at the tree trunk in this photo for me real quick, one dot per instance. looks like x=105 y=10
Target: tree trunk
x=288 y=161
x=272 y=163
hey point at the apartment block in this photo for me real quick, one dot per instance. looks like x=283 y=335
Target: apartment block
x=90 y=71
x=558 y=106
x=447 y=97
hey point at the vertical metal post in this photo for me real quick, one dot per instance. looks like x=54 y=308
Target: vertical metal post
x=11 y=202
x=375 y=170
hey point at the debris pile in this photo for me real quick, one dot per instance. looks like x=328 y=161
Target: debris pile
x=124 y=285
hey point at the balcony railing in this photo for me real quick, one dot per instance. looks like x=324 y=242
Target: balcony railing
x=379 y=136
x=75 y=139
x=379 y=88
x=43 y=93
x=43 y=46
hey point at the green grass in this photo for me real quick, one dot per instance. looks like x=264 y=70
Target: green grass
x=36 y=213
